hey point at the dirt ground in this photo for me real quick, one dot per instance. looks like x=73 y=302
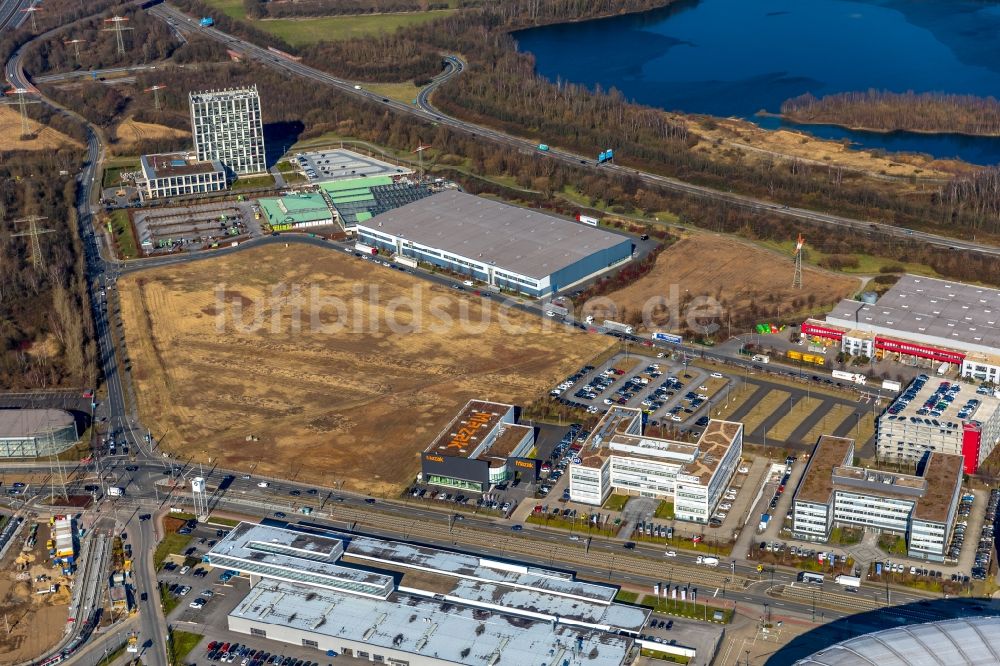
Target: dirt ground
x=726 y=134
x=131 y=131
x=354 y=403
x=737 y=274
x=43 y=137
x=36 y=621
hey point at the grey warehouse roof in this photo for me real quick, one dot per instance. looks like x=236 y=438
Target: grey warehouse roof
x=31 y=422
x=517 y=239
x=434 y=629
x=965 y=315
x=962 y=642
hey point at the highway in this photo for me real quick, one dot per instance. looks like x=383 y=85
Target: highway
x=12 y=13
x=644 y=567
x=93 y=73
x=424 y=109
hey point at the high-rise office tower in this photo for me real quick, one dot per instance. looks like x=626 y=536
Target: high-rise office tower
x=227 y=127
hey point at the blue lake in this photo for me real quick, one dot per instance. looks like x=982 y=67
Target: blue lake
x=737 y=57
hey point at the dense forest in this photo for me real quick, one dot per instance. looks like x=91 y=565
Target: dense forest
x=887 y=111
x=46 y=333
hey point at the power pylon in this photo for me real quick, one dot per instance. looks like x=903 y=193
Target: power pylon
x=76 y=47
x=31 y=12
x=420 y=154
x=156 y=95
x=797 y=276
x=58 y=475
x=118 y=28
x=34 y=232
x=22 y=104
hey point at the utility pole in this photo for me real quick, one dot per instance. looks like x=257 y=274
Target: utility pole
x=31 y=12
x=156 y=95
x=76 y=47
x=420 y=155
x=118 y=27
x=22 y=104
x=37 y=260
x=797 y=276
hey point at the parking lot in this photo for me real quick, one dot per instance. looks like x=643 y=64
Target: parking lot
x=343 y=165
x=194 y=227
x=672 y=393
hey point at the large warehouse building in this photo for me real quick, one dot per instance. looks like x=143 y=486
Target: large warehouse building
x=617 y=456
x=409 y=605
x=921 y=319
x=501 y=245
x=480 y=447
x=30 y=433
x=833 y=491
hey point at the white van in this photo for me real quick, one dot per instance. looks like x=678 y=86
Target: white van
x=262 y=484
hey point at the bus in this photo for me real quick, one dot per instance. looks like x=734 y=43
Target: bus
x=810 y=577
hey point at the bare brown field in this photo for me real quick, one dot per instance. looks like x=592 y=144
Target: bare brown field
x=352 y=406
x=735 y=273
x=42 y=136
x=723 y=135
x=131 y=131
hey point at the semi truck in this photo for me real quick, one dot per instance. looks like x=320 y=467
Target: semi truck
x=207 y=21
x=708 y=561
x=543 y=147
x=848 y=581
x=850 y=376
x=586 y=219
x=618 y=326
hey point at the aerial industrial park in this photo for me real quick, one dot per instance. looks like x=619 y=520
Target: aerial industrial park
x=341 y=332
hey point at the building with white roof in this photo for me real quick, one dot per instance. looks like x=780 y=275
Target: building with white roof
x=617 y=456
x=404 y=604
x=938 y=321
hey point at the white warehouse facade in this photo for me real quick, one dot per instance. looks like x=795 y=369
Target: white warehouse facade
x=495 y=243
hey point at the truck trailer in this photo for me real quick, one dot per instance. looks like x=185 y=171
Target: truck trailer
x=848 y=581
x=618 y=326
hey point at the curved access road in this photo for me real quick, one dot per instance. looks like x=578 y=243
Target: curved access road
x=425 y=109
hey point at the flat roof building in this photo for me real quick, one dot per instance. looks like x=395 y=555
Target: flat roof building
x=296 y=211
x=940 y=321
x=444 y=607
x=940 y=416
x=227 y=126
x=358 y=200
x=178 y=174
x=618 y=456
x=482 y=446
x=833 y=491
x=31 y=433
x=496 y=243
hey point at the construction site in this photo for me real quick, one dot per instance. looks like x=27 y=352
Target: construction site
x=37 y=562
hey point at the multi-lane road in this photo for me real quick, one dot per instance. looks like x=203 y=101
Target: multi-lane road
x=454 y=66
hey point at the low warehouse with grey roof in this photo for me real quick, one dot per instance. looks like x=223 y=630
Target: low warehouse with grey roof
x=399 y=603
x=502 y=245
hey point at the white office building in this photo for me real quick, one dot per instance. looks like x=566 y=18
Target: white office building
x=835 y=492
x=618 y=457
x=227 y=127
x=178 y=174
